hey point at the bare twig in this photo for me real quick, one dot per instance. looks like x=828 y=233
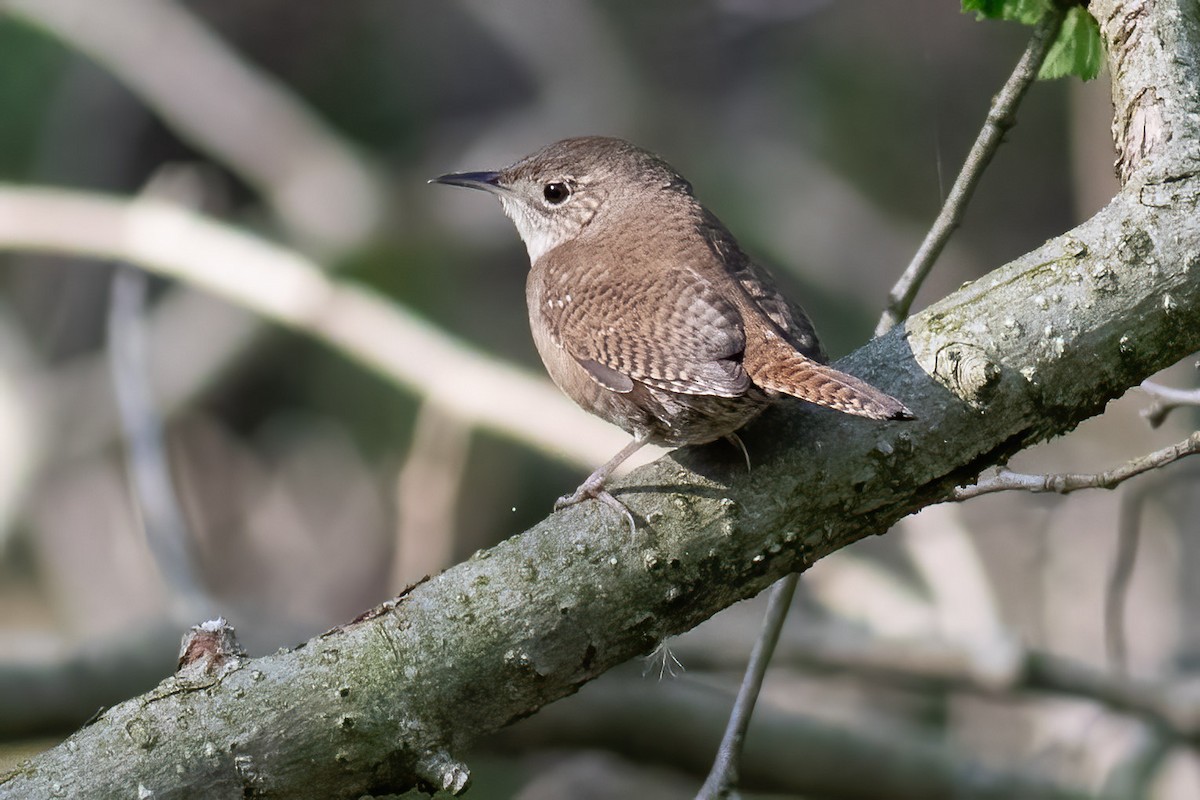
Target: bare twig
x=723 y=778
x=1065 y=483
x=1117 y=588
x=285 y=287
x=1166 y=400
x=162 y=519
x=1001 y=116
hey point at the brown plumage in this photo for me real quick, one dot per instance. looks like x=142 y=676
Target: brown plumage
x=645 y=310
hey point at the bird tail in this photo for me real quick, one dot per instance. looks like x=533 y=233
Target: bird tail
x=775 y=365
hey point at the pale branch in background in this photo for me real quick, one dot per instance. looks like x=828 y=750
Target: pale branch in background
x=1166 y=400
x=320 y=188
x=283 y=286
x=1001 y=116
x=428 y=493
x=1065 y=483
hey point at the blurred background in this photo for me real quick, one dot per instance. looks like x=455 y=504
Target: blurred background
x=288 y=483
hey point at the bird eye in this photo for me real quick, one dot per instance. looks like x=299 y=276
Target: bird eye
x=556 y=192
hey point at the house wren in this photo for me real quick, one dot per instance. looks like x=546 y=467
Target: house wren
x=645 y=310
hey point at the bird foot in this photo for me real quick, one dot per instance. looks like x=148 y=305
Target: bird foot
x=594 y=490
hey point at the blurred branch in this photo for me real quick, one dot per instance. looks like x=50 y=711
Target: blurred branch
x=940 y=547
x=320 y=188
x=1166 y=400
x=284 y=287
x=162 y=519
x=723 y=777
x=676 y=722
x=1124 y=560
x=428 y=492
x=1067 y=482
x=993 y=667
x=206 y=334
x=592 y=100
x=55 y=694
x=1001 y=116
x=1134 y=777
x=22 y=428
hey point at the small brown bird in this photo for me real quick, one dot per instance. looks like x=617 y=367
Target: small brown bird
x=645 y=310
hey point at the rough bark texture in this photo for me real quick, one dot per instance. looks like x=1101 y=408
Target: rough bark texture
x=1024 y=354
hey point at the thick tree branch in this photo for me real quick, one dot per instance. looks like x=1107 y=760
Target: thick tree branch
x=391 y=699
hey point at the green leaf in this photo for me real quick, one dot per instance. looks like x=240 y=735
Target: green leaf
x=1027 y=12
x=1078 y=50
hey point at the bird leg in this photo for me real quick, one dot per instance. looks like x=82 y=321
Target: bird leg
x=593 y=487
x=736 y=441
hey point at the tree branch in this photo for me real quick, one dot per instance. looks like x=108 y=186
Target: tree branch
x=534 y=617
x=1067 y=482
x=1166 y=400
x=391 y=699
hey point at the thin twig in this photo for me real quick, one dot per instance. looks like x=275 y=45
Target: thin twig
x=1166 y=400
x=1001 y=116
x=162 y=518
x=1065 y=483
x=1117 y=589
x=722 y=779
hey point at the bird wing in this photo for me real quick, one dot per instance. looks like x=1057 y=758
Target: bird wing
x=760 y=288
x=663 y=326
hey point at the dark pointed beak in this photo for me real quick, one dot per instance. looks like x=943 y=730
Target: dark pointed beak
x=487 y=181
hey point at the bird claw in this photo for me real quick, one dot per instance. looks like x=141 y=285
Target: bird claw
x=596 y=492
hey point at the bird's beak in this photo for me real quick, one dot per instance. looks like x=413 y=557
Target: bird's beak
x=487 y=181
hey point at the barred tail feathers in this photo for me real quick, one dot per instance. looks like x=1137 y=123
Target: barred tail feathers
x=775 y=365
